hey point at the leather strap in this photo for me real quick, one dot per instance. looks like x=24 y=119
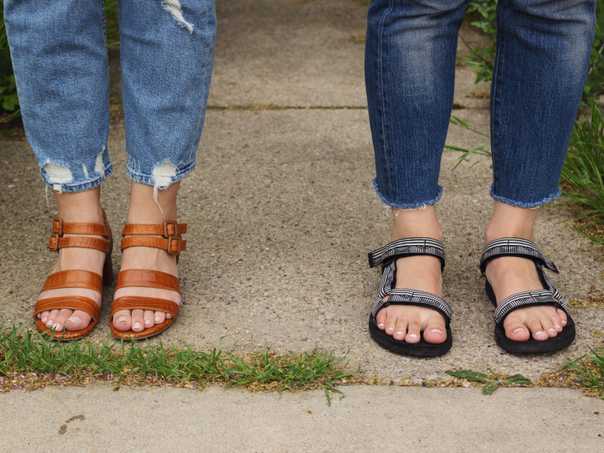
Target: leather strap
x=147 y=279
x=74 y=279
x=58 y=240
x=84 y=304
x=166 y=236
x=55 y=243
x=165 y=230
x=144 y=303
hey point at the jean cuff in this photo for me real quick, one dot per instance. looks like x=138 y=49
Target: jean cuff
x=415 y=204
x=79 y=186
x=525 y=204
x=165 y=180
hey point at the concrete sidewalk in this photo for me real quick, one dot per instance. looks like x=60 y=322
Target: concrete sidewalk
x=368 y=419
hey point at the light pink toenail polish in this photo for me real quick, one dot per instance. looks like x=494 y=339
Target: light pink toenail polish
x=137 y=325
x=381 y=326
x=436 y=331
x=519 y=330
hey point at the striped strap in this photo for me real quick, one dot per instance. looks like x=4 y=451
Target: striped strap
x=407 y=247
x=514 y=247
x=388 y=295
x=530 y=298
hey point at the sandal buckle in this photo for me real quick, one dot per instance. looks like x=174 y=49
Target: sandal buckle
x=57 y=233
x=173 y=237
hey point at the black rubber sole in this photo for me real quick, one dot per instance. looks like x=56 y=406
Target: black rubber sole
x=418 y=350
x=532 y=347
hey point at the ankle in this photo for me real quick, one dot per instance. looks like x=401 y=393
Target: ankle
x=80 y=207
x=511 y=221
x=420 y=222
x=152 y=207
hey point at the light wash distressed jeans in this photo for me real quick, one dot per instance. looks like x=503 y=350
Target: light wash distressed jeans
x=60 y=60
x=543 y=49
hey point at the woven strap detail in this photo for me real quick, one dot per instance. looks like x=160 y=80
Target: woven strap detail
x=147 y=279
x=84 y=304
x=388 y=295
x=166 y=236
x=529 y=298
x=74 y=279
x=144 y=303
x=514 y=247
x=407 y=247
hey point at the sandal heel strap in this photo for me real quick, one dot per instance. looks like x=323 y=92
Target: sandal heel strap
x=407 y=247
x=515 y=247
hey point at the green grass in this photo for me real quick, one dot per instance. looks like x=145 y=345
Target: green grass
x=490 y=382
x=586 y=373
x=583 y=173
x=25 y=353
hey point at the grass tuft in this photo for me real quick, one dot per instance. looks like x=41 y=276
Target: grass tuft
x=27 y=359
x=586 y=373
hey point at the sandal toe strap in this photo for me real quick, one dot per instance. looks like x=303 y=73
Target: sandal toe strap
x=84 y=304
x=530 y=298
x=407 y=247
x=515 y=247
x=147 y=279
x=144 y=303
x=74 y=279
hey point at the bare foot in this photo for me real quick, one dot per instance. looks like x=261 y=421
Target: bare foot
x=144 y=210
x=409 y=323
x=510 y=275
x=80 y=207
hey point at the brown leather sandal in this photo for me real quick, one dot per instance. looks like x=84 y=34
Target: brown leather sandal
x=76 y=278
x=167 y=237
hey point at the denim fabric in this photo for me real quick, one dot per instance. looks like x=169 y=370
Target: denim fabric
x=543 y=49
x=60 y=60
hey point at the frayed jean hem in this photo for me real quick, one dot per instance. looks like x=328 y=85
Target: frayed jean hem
x=80 y=186
x=150 y=179
x=413 y=205
x=526 y=204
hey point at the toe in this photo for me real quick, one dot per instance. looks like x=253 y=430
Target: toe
x=435 y=331
x=548 y=325
x=536 y=329
x=149 y=318
x=44 y=316
x=413 y=332
x=400 y=330
x=515 y=328
x=160 y=317
x=557 y=323
x=122 y=320
x=78 y=320
x=390 y=323
x=381 y=319
x=137 y=321
x=52 y=318
x=62 y=318
x=562 y=315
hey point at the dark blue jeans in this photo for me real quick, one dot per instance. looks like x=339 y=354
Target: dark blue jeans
x=543 y=49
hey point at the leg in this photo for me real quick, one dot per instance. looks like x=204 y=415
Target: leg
x=167 y=53
x=543 y=53
x=410 y=70
x=60 y=62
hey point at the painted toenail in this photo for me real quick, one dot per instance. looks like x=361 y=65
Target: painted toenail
x=412 y=336
x=436 y=331
x=122 y=320
x=381 y=326
x=137 y=325
x=518 y=331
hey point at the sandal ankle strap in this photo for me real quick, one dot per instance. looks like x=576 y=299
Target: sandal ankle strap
x=166 y=236
x=60 y=228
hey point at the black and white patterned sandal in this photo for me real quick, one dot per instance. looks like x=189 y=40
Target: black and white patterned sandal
x=549 y=295
x=386 y=256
